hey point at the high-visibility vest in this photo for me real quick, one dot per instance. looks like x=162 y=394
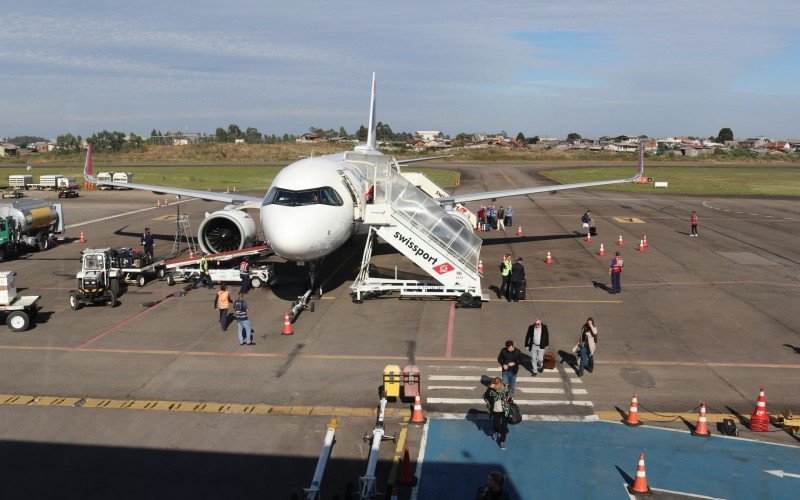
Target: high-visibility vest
x=244 y=267
x=616 y=265
x=694 y=219
x=223 y=299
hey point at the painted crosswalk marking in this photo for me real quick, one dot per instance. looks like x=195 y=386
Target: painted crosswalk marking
x=520 y=402
x=520 y=380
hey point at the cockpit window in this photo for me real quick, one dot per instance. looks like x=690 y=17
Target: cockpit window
x=289 y=198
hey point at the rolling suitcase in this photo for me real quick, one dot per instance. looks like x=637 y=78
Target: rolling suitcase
x=593 y=231
x=549 y=361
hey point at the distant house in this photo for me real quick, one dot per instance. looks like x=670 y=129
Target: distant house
x=693 y=151
x=309 y=137
x=430 y=135
x=238 y=141
x=479 y=136
x=8 y=149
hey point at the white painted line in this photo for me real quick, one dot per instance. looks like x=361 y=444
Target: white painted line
x=739 y=212
x=755 y=214
x=477 y=378
x=787 y=218
x=520 y=402
x=526 y=418
x=549 y=390
x=420 y=459
x=123 y=214
x=684 y=494
x=726 y=210
x=444 y=387
x=451 y=367
x=495 y=369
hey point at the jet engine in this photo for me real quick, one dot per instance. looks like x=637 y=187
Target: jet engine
x=225 y=231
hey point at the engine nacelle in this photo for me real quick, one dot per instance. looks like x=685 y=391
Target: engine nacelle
x=225 y=231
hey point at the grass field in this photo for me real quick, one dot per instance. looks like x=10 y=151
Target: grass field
x=742 y=181
x=218 y=178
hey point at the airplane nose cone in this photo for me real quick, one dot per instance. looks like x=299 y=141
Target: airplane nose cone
x=302 y=233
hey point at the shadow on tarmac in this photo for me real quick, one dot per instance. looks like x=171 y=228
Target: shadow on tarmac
x=793 y=347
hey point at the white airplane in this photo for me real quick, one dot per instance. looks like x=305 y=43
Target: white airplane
x=308 y=210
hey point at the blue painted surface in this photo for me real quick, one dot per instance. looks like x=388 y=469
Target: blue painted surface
x=592 y=460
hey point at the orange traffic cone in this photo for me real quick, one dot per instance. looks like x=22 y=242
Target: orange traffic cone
x=633 y=413
x=158 y=203
x=588 y=237
x=287 y=325
x=191 y=254
x=166 y=202
x=602 y=252
x=480 y=266
x=641 y=246
x=619 y=241
x=549 y=259
x=644 y=239
x=759 y=420
x=417 y=417
x=701 y=429
x=519 y=231
x=640 y=483
x=480 y=227
x=406 y=478
x=83 y=238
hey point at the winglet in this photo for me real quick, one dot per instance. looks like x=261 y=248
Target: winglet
x=87 y=167
x=640 y=165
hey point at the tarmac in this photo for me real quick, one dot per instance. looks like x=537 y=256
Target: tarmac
x=153 y=396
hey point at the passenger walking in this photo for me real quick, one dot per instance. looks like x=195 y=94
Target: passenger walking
x=147 y=244
x=509 y=214
x=536 y=340
x=505 y=274
x=240 y=310
x=615 y=271
x=494 y=489
x=496 y=397
x=693 y=220
x=482 y=217
x=517 y=287
x=587 y=221
x=586 y=347
x=501 y=214
x=244 y=274
x=509 y=362
x=222 y=301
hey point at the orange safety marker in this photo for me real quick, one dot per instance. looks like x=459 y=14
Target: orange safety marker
x=158 y=203
x=287 y=325
x=417 y=416
x=166 y=202
x=644 y=239
x=480 y=227
x=406 y=477
x=83 y=238
x=519 y=231
x=640 y=483
x=633 y=413
x=549 y=259
x=588 y=237
x=480 y=266
x=759 y=420
x=701 y=429
x=619 y=241
x=602 y=252
x=641 y=247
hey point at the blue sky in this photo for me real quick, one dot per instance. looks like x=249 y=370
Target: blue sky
x=596 y=68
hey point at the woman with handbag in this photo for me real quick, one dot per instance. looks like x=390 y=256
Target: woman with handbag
x=586 y=347
x=496 y=397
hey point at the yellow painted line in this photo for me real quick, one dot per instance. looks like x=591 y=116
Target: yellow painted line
x=629 y=220
x=664 y=416
x=401 y=440
x=506 y=177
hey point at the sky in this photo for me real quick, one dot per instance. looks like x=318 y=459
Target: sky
x=603 y=67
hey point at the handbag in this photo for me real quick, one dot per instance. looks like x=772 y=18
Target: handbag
x=514 y=415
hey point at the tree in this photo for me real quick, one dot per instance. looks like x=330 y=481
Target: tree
x=252 y=135
x=342 y=132
x=361 y=135
x=383 y=132
x=67 y=143
x=108 y=141
x=221 y=135
x=521 y=137
x=725 y=134
x=574 y=136
x=234 y=132
x=534 y=140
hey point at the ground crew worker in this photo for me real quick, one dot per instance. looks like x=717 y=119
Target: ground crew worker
x=147 y=243
x=505 y=274
x=615 y=270
x=204 y=278
x=517 y=287
x=509 y=217
x=222 y=302
x=693 y=220
x=243 y=327
x=244 y=274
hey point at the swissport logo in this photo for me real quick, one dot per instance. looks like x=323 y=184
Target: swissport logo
x=443 y=268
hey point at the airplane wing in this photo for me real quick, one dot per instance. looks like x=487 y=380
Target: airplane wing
x=486 y=195
x=232 y=198
x=414 y=160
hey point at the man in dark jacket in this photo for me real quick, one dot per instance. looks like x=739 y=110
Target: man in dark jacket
x=517 y=280
x=509 y=362
x=536 y=340
x=147 y=243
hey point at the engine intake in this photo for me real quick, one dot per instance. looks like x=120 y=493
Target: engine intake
x=225 y=231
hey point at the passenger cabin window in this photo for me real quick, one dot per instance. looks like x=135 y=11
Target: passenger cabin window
x=289 y=198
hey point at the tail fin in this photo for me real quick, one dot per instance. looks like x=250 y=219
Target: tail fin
x=87 y=167
x=640 y=165
x=371 y=132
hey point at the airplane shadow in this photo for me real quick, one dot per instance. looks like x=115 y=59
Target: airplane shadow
x=157 y=237
x=525 y=239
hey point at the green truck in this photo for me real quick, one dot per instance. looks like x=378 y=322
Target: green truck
x=28 y=224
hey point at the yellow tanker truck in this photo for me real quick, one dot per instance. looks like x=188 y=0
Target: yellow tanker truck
x=28 y=224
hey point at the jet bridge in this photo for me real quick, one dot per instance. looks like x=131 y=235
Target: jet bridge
x=442 y=244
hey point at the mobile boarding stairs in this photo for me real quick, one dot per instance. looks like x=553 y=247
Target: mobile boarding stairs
x=441 y=243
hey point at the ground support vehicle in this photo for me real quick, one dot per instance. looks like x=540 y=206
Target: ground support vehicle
x=188 y=269
x=135 y=266
x=98 y=280
x=28 y=224
x=21 y=312
x=64 y=192
x=12 y=193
